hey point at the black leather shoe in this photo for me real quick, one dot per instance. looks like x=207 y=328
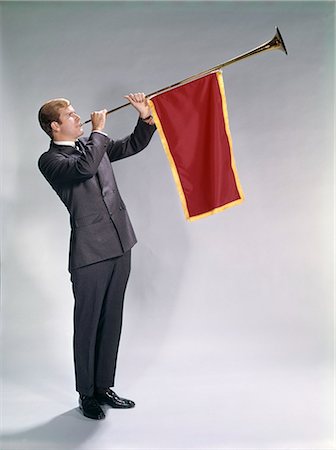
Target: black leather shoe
x=110 y=398
x=90 y=407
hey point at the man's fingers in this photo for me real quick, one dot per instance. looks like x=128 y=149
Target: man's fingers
x=99 y=113
x=98 y=119
x=138 y=97
x=102 y=111
x=140 y=103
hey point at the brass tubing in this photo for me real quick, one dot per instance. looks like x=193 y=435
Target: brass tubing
x=276 y=43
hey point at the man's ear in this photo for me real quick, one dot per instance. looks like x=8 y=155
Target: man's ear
x=55 y=126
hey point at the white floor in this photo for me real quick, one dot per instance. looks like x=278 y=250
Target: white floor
x=178 y=407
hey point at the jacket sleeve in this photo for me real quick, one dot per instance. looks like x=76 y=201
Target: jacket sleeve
x=131 y=144
x=58 y=168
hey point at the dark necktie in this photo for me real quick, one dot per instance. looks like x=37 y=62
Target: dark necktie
x=80 y=147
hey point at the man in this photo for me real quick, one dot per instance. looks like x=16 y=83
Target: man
x=102 y=236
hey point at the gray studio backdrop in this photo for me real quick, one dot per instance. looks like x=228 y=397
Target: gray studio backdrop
x=228 y=327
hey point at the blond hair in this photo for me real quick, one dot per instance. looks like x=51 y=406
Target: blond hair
x=50 y=112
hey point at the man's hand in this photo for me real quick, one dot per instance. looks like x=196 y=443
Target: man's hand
x=98 y=119
x=140 y=103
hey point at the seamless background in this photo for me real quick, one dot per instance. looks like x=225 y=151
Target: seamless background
x=228 y=326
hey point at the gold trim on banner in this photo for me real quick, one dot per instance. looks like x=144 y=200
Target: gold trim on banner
x=228 y=132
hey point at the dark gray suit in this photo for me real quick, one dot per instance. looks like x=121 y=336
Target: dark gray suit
x=100 y=243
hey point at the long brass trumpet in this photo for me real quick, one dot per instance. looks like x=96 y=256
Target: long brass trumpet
x=276 y=43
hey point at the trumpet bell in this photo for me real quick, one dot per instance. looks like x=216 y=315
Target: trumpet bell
x=278 y=42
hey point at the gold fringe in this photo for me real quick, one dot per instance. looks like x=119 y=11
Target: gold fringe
x=226 y=120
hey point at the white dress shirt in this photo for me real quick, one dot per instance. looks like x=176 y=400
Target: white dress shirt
x=72 y=143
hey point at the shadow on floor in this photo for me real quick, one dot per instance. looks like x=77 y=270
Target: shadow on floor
x=66 y=431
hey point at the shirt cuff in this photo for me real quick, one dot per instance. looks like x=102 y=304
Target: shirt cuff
x=98 y=131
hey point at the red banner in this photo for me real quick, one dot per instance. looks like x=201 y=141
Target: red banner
x=193 y=125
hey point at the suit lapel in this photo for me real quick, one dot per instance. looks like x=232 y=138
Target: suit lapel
x=104 y=175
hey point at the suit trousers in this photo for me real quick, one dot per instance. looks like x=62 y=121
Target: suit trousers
x=99 y=291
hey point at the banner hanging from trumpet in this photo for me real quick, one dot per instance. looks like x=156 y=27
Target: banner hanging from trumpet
x=193 y=125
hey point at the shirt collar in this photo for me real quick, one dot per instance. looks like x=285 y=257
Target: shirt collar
x=70 y=143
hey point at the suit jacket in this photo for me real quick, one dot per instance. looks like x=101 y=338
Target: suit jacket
x=84 y=181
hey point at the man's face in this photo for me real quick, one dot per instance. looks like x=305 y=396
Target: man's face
x=68 y=128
